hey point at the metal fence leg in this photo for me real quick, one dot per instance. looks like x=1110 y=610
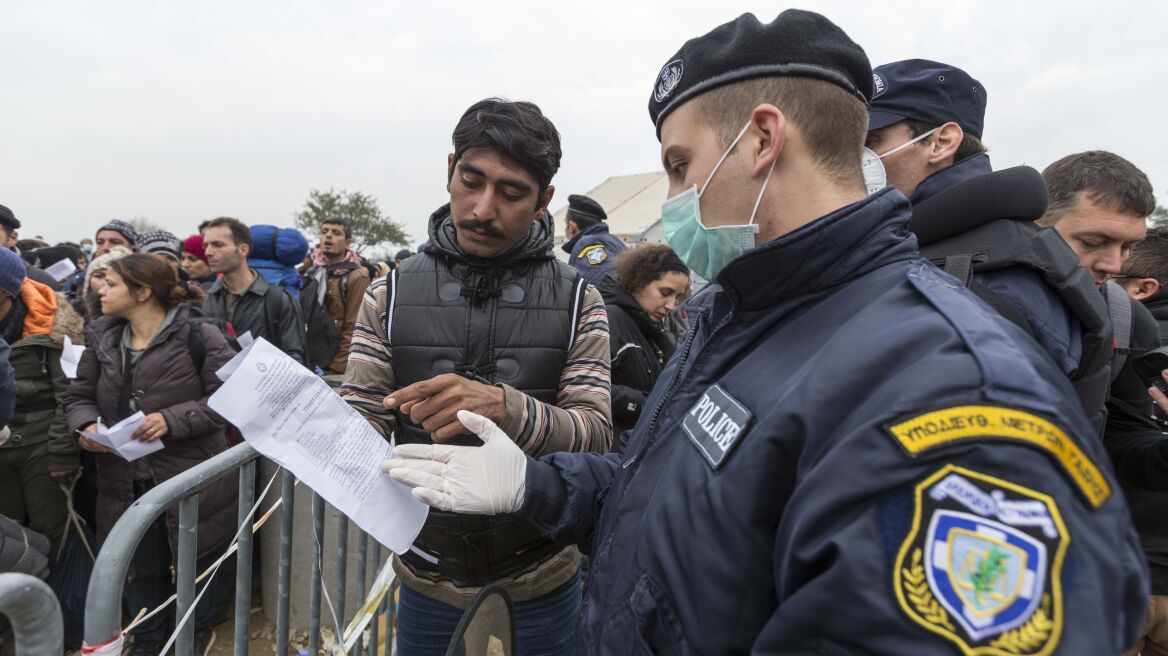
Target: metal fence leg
x=362 y=552
x=243 y=560
x=186 y=570
x=315 y=583
x=342 y=562
x=284 y=573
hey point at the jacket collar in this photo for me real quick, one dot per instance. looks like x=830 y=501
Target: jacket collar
x=258 y=287
x=966 y=169
x=829 y=251
x=536 y=245
x=594 y=229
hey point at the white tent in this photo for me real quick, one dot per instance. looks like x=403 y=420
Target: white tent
x=632 y=202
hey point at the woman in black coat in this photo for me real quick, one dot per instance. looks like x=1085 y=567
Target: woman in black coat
x=650 y=282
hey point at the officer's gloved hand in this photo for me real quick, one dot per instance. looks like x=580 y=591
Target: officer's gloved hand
x=484 y=480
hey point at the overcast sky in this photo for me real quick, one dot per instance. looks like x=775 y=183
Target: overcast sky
x=181 y=111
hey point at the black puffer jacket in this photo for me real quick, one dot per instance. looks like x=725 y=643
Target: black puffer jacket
x=639 y=350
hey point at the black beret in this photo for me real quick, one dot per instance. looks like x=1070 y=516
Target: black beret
x=586 y=207
x=8 y=219
x=798 y=43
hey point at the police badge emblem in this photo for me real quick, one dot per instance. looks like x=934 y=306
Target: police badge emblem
x=668 y=79
x=981 y=565
x=594 y=254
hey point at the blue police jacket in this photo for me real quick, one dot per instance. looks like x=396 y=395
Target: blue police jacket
x=1054 y=326
x=592 y=251
x=850 y=453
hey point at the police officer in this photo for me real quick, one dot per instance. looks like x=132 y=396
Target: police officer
x=848 y=454
x=591 y=249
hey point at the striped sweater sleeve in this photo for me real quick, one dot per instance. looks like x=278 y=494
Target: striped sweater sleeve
x=581 y=419
x=369 y=374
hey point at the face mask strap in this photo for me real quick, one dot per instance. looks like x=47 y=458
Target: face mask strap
x=908 y=143
x=723 y=159
x=758 y=201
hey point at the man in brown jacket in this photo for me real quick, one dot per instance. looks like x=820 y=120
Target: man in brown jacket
x=338 y=270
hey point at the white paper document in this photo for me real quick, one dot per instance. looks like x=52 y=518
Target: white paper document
x=245 y=340
x=70 y=358
x=119 y=438
x=61 y=270
x=292 y=416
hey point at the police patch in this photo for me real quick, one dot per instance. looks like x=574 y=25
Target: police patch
x=982 y=564
x=715 y=424
x=594 y=254
x=938 y=428
x=668 y=79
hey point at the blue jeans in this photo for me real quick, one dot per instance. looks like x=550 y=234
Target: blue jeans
x=543 y=626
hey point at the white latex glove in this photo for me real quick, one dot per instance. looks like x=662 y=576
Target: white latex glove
x=484 y=480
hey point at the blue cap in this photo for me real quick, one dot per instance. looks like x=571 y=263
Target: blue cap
x=12 y=271
x=927 y=91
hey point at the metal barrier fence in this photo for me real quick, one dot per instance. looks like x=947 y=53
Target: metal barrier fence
x=103 y=609
x=33 y=612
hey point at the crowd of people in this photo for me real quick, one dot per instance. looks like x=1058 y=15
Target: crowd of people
x=872 y=396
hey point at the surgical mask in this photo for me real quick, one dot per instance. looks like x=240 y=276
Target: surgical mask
x=87 y=249
x=708 y=250
x=875 y=177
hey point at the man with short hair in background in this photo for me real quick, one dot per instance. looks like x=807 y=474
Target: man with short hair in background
x=1099 y=203
x=242 y=297
x=1145 y=276
x=114 y=233
x=338 y=270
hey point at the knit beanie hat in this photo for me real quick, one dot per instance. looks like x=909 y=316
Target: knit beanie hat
x=103 y=262
x=161 y=242
x=11 y=272
x=194 y=246
x=127 y=230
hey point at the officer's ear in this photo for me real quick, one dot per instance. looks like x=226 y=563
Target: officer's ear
x=944 y=143
x=766 y=137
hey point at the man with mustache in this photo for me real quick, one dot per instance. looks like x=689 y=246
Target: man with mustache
x=484 y=318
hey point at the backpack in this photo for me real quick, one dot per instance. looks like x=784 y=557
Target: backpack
x=1005 y=236
x=324 y=338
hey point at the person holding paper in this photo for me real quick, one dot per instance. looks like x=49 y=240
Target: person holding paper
x=147 y=355
x=484 y=318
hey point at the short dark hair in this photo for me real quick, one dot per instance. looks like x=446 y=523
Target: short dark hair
x=832 y=120
x=1104 y=177
x=30 y=244
x=240 y=233
x=580 y=220
x=637 y=267
x=344 y=223
x=970 y=145
x=517 y=129
x=1149 y=258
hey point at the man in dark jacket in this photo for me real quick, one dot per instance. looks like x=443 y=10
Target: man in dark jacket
x=590 y=248
x=849 y=453
x=242 y=297
x=484 y=318
x=338 y=271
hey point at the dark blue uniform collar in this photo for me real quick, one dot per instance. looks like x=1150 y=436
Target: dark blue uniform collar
x=822 y=254
x=594 y=229
x=968 y=168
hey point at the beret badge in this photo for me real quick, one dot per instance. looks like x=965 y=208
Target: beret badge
x=668 y=80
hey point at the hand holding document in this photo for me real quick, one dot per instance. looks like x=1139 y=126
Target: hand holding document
x=62 y=270
x=70 y=358
x=245 y=340
x=119 y=438
x=292 y=416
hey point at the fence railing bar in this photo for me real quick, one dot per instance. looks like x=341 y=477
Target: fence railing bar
x=34 y=613
x=185 y=571
x=284 y=571
x=342 y=563
x=314 y=584
x=362 y=553
x=243 y=558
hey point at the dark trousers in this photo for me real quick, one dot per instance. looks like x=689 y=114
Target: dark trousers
x=149 y=584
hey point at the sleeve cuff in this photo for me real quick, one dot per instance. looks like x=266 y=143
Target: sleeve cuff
x=544 y=495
